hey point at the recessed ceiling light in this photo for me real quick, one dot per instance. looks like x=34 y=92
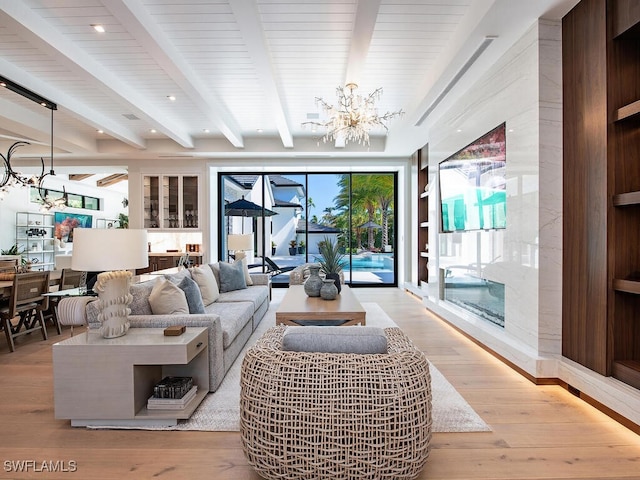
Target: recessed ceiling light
x=2 y=84
x=100 y=131
x=459 y=130
x=206 y=130
x=98 y=28
x=511 y=130
x=153 y=130
x=171 y=97
x=259 y=130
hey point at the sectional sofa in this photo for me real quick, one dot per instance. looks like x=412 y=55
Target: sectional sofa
x=230 y=318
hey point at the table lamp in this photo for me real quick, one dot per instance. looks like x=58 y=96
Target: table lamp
x=239 y=243
x=112 y=252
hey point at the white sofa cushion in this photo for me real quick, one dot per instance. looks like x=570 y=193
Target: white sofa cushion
x=207 y=283
x=167 y=299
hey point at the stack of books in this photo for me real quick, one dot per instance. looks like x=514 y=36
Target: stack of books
x=172 y=393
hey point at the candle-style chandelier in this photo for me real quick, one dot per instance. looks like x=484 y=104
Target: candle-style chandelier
x=12 y=178
x=353 y=117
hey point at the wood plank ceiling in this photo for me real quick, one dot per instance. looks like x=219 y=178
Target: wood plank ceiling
x=244 y=73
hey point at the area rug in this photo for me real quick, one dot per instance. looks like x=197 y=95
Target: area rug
x=220 y=411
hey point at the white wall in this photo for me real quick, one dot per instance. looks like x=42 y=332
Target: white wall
x=524 y=90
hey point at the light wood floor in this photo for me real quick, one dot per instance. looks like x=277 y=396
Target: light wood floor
x=538 y=432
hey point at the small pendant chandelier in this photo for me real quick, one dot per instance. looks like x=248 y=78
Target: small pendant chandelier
x=12 y=178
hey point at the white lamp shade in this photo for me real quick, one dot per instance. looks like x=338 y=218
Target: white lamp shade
x=240 y=242
x=101 y=250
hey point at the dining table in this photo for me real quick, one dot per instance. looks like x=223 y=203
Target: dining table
x=7 y=285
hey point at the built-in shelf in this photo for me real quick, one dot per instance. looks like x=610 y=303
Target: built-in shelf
x=629 y=198
x=628 y=111
x=424 y=254
x=628 y=286
x=424 y=194
x=424 y=224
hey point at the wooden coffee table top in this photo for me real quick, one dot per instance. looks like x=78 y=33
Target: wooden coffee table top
x=296 y=305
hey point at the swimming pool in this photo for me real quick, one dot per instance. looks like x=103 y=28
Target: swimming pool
x=374 y=261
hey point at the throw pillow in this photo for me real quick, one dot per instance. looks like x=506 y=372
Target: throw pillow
x=192 y=293
x=363 y=340
x=231 y=277
x=203 y=276
x=215 y=268
x=241 y=257
x=167 y=299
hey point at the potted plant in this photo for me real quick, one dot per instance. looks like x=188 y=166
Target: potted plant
x=301 y=247
x=293 y=247
x=273 y=247
x=332 y=261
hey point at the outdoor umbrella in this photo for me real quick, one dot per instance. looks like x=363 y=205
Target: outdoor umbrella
x=246 y=208
x=370 y=225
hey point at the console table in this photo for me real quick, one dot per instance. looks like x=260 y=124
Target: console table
x=107 y=382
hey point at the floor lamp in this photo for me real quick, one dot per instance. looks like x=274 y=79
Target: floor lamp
x=113 y=252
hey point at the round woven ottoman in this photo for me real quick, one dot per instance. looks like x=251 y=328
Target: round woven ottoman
x=334 y=415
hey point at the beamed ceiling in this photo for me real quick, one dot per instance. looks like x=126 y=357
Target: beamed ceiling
x=244 y=73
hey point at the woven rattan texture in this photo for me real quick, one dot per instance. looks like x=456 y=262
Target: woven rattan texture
x=335 y=416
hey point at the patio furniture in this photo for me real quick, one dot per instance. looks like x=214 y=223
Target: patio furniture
x=308 y=415
x=273 y=268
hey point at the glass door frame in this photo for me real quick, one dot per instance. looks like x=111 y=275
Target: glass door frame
x=260 y=243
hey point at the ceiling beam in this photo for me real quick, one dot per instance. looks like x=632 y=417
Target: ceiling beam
x=363 y=27
x=112 y=179
x=250 y=25
x=71 y=106
x=40 y=33
x=140 y=24
x=77 y=177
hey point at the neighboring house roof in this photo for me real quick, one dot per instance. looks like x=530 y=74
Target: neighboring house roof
x=280 y=181
x=244 y=181
x=303 y=225
x=283 y=204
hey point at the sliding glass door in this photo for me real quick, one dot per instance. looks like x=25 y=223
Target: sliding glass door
x=286 y=216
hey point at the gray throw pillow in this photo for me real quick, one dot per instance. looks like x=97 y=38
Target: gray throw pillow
x=362 y=340
x=192 y=293
x=231 y=277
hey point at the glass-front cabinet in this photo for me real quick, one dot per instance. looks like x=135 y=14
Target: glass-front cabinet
x=171 y=201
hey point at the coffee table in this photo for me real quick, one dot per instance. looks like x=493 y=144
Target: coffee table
x=297 y=308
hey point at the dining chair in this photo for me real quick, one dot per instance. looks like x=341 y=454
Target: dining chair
x=26 y=302
x=71 y=278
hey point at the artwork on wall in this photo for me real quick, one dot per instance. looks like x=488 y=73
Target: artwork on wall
x=473 y=185
x=66 y=222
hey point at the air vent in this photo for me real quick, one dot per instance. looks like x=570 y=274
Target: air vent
x=483 y=46
x=130 y=116
x=313 y=116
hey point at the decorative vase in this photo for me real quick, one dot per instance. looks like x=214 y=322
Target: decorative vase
x=328 y=290
x=336 y=278
x=313 y=283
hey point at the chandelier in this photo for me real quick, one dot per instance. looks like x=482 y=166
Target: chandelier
x=353 y=117
x=12 y=178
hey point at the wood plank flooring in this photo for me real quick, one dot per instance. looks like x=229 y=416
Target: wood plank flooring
x=538 y=432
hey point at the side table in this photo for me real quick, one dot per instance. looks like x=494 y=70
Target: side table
x=107 y=382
